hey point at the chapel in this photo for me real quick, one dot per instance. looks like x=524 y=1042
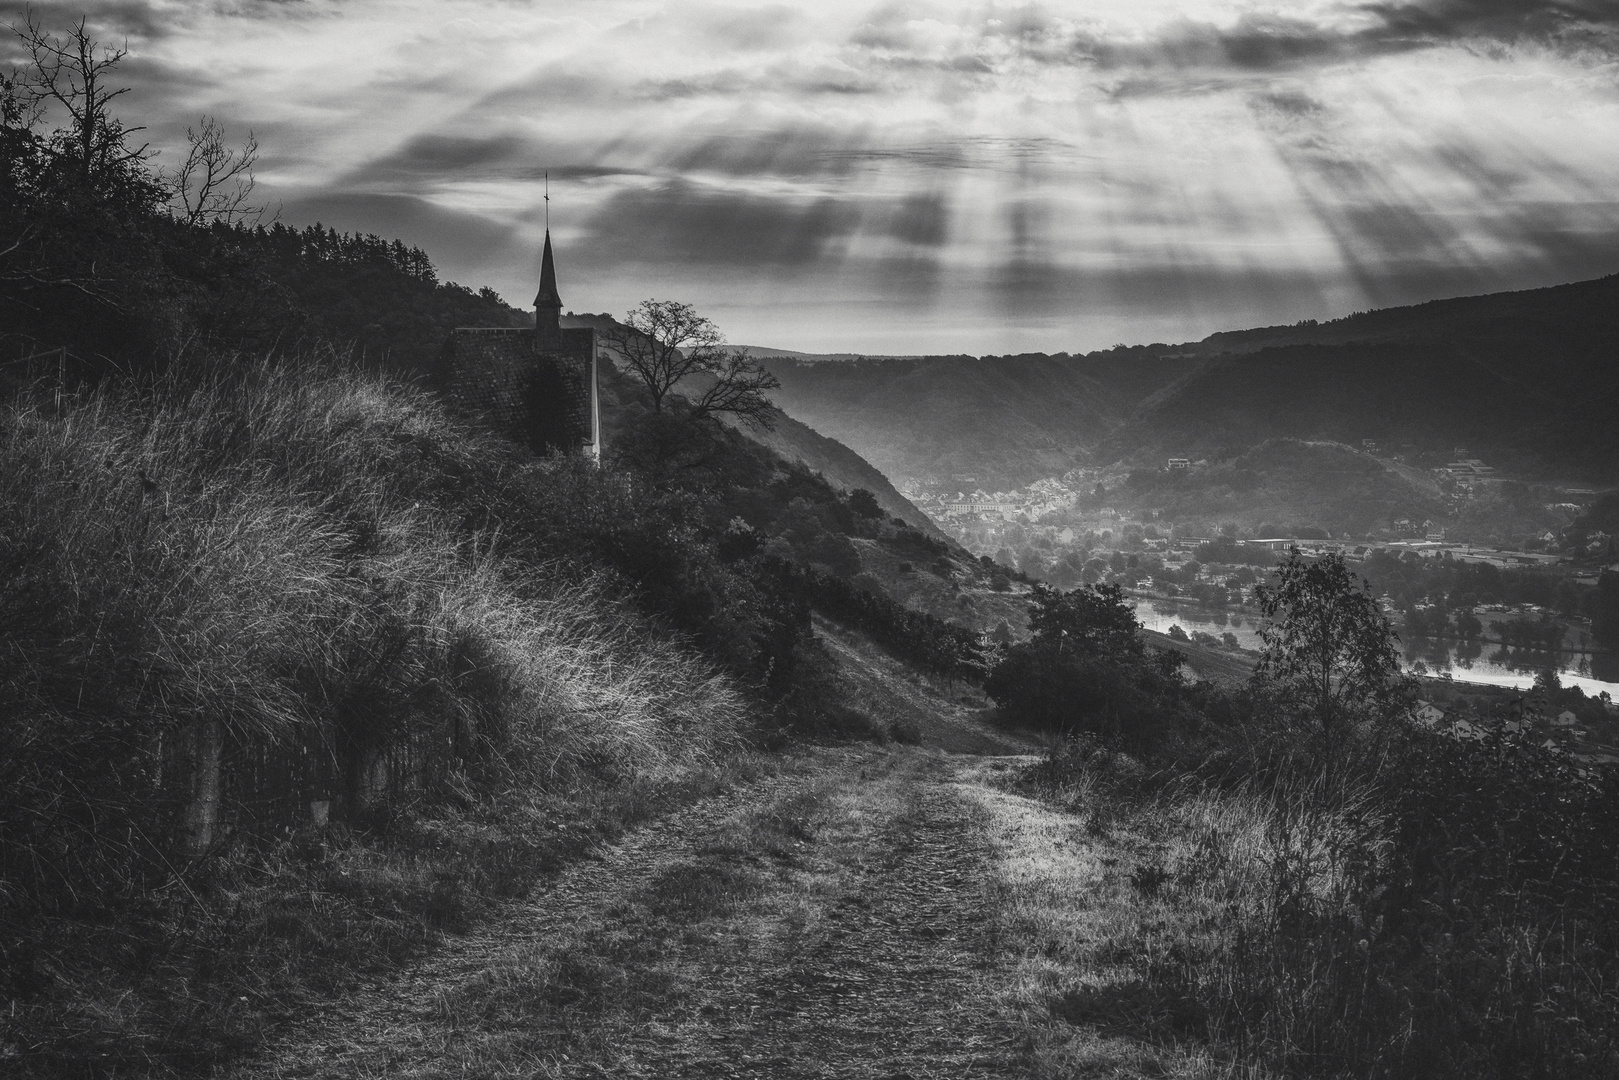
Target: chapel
x=536 y=386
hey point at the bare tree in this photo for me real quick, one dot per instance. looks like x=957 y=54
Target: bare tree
x=72 y=72
x=675 y=351
x=65 y=192
x=214 y=181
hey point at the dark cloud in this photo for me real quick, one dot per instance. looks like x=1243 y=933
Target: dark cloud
x=680 y=223
x=1263 y=43
x=425 y=163
x=1292 y=104
x=553 y=90
x=1255 y=43
x=922 y=219
x=439 y=157
x=110 y=22
x=1491 y=177
x=718 y=84
x=1575 y=22
x=794 y=151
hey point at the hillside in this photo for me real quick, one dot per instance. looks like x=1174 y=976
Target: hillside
x=842 y=467
x=304 y=672
x=1001 y=420
x=795 y=440
x=1524 y=379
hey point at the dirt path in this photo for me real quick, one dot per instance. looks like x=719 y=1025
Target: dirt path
x=835 y=923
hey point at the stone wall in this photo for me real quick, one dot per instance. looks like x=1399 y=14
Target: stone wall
x=502 y=378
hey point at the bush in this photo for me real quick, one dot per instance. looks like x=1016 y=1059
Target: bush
x=1428 y=908
x=1085 y=670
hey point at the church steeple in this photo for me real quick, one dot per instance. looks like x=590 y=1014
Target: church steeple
x=547 y=304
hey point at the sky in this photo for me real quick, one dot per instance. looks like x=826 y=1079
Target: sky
x=922 y=177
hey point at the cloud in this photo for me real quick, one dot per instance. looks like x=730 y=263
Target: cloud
x=762 y=28
x=435 y=157
x=1259 y=43
x=1574 y=22
x=680 y=223
x=792 y=150
x=110 y=22
x=1044 y=174
x=922 y=219
x=1251 y=43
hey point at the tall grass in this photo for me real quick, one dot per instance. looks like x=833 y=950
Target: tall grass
x=287 y=568
x=1435 y=910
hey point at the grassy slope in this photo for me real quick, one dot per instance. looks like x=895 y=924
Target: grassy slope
x=299 y=551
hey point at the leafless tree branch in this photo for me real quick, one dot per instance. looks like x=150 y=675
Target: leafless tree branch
x=667 y=345
x=214 y=181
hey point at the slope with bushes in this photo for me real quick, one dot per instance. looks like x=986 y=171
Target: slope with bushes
x=1305 y=884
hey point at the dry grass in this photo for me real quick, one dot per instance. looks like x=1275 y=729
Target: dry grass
x=295 y=553
x=1151 y=924
x=1288 y=928
x=1074 y=918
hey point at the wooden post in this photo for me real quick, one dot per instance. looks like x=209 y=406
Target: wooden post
x=202 y=812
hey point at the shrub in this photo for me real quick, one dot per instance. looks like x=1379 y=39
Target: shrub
x=1085 y=670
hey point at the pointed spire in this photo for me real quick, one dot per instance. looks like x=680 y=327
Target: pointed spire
x=547 y=296
x=547 y=304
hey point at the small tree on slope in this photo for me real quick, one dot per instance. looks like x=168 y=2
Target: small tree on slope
x=673 y=350
x=1329 y=654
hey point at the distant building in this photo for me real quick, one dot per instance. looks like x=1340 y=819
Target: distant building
x=1180 y=463
x=981 y=507
x=536 y=386
x=1274 y=543
x=1428 y=714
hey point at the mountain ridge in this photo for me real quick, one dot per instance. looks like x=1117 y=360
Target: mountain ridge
x=1521 y=377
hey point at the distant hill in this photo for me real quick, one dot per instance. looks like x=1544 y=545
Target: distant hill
x=1526 y=379
x=1002 y=420
x=765 y=353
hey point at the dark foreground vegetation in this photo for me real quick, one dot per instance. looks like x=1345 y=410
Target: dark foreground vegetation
x=1345 y=894
x=300 y=671
x=297 y=669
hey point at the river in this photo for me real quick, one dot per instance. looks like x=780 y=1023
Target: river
x=1482 y=663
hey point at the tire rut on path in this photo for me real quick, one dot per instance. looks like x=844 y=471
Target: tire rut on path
x=896 y=977
x=353 y=1033
x=860 y=950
